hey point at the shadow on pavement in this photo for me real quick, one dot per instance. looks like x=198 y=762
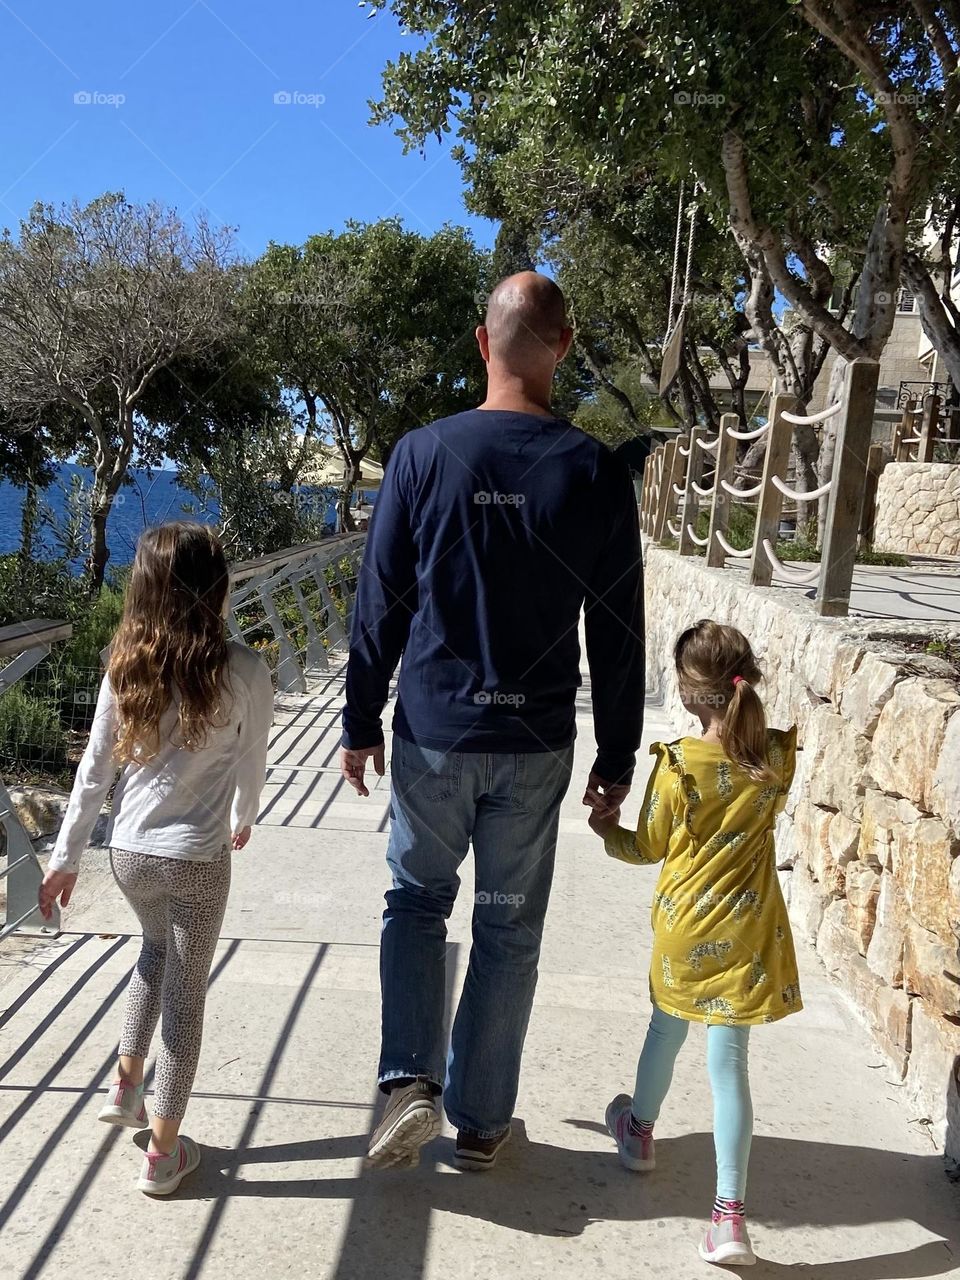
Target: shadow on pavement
x=555 y=1191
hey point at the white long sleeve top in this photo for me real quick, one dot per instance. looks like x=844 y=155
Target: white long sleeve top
x=181 y=804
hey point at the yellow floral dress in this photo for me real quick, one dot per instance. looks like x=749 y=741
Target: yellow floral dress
x=722 y=951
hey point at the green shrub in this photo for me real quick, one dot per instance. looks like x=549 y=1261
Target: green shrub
x=31 y=735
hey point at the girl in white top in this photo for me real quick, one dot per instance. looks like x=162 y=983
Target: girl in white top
x=184 y=715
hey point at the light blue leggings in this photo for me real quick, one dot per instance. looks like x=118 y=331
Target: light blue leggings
x=732 y=1107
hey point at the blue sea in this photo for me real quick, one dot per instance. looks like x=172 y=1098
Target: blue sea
x=150 y=498
x=153 y=496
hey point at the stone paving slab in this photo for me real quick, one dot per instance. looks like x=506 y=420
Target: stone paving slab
x=843 y=1185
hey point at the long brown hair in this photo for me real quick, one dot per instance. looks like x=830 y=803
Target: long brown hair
x=171 y=638
x=716 y=665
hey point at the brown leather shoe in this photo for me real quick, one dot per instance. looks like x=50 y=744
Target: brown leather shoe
x=411 y=1119
x=477 y=1154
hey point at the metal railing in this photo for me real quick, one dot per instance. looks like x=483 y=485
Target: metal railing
x=296 y=605
x=293 y=606
x=25 y=644
x=674 y=490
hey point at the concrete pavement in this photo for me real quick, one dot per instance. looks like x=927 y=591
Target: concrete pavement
x=845 y=1184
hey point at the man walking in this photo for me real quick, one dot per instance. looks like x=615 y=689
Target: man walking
x=492 y=530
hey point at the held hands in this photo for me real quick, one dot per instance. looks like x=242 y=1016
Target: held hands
x=56 y=885
x=604 y=800
x=353 y=765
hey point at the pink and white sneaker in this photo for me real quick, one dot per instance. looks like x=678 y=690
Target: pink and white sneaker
x=636 y=1153
x=124 y=1106
x=162 y=1174
x=727 y=1242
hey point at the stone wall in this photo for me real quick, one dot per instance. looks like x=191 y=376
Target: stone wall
x=918 y=509
x=869 y=844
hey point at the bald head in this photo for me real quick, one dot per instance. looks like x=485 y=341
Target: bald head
x=526 y=322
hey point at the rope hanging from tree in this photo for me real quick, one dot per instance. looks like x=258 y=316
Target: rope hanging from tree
x=673 y=345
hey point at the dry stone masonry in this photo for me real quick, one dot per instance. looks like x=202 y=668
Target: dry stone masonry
x=869 y=846
x=918 y=509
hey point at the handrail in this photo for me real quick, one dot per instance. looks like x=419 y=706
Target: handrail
x=741 y=493
x=26 y=644
x=750 y=435
x=791 y=575
x=709 y=446
x=801 y=495
x=804 y=420
x=703 y=492
x=701 y=542
x=24 y=635
x=732 y=551
x=675 y=532
x=319 y=599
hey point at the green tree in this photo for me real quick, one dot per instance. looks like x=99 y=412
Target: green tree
x=820 y=131
x=94 y=301
x=371 y=330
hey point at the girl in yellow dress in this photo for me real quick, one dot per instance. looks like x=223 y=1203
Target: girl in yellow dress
x=722 y=952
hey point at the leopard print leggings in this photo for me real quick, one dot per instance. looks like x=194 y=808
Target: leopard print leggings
x=180 y=906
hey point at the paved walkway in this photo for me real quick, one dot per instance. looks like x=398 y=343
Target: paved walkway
x=844 y=1185
x=927 y=590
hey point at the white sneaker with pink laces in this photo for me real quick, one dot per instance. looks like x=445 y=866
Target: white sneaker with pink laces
x=124 y=1106
x=727 y=1242
x=162 y=1174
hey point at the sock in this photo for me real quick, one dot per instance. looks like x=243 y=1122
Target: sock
x=723 y=1208
x=640 y=1128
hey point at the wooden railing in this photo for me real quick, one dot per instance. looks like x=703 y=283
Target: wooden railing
x=686 y=474
x=922 y=427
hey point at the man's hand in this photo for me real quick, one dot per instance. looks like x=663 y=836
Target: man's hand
x=56 y=884
x=605 y=798
x=353 y=765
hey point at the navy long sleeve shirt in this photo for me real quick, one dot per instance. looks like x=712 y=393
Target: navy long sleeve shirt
x=491 y=533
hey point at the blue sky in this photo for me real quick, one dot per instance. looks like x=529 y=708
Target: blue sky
x=198 y=127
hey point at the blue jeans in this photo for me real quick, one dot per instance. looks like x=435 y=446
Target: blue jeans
x=732 y=1108
x=509 y=805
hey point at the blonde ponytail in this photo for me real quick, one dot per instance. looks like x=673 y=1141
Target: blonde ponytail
x=715 y=664
x=744 y=730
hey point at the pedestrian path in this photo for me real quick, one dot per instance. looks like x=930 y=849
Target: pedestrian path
x=844 y=1184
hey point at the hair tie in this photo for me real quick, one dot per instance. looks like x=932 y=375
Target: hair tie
x=737 y=680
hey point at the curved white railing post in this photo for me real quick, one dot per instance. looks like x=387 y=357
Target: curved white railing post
x=720 y=508
x=770 y=503
x=839 y=551
x=691 y=501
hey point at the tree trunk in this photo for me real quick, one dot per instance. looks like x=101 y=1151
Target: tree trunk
x=345 y=521
x=936 y=320
x=28 y=526
x=99 y=554
x=109 y=470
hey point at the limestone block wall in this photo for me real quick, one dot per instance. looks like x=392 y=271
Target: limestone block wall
x=869 y=844
x=918 y=509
